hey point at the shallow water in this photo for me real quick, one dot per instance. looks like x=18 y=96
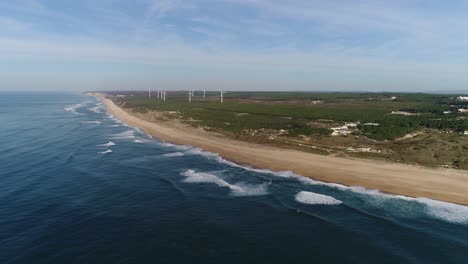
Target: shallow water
x=78 y=186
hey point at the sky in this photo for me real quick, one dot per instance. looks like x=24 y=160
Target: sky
x=303 y=45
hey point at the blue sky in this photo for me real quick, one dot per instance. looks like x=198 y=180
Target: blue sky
x=234 y=44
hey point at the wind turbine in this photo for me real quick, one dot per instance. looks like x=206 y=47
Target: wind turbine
x=164 y=95
x=221 y=95
x=204 y=93
x=157 y=92
x=149 y=93
x=190 y=94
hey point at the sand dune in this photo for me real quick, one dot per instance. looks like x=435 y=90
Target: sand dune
x=441 y=184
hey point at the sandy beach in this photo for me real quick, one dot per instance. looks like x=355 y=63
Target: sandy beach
x=415 y=181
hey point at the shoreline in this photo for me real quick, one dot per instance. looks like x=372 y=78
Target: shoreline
x=447 y=185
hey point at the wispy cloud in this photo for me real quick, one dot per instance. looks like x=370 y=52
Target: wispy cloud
x=13 y=25
x=160 y=8
x=252 y=43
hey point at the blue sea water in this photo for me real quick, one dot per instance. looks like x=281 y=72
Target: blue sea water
x=78 y=186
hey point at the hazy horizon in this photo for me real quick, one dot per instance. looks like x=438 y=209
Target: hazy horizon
x=267 y=45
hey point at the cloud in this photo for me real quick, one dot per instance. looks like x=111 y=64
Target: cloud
x=267 y=44
x=412 y=26
x=184 y=65
x=159 y=8
x=13 y=25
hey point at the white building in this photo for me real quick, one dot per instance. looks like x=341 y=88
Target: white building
x=346 y=129
x=462 y=98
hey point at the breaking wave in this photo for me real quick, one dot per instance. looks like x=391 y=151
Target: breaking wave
x=241 y=189
x=108 y=144
x=105 y=152
x=96 y=109
x=173 y=154
x=91 y=122
x=116 y=120
x=73 y=108
x=315 y=198
x=174 y=146
x=201 y=177
x=449 y=212
x=250 y=189
x=129 y=134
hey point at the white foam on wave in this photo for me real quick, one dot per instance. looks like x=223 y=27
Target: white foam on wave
x=173 y=154
x=449 y=212
x=240 y=189
x=129 y=134
x=108 y=144
x=250 y=189
x=91 y=122
x=137 y=141
x=200 y=152
x=73 y=108
x=174 y=146
x=157 y=157
x=201 y=177
x=116 y=120
x=97 y=109
x=105 y=152
x=315 y=198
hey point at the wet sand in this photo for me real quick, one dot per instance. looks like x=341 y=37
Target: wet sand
x=415 y=181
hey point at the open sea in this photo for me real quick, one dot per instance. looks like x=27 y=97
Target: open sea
x=78 y=186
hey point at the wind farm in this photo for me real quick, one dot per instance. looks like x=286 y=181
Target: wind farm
x=189 y=95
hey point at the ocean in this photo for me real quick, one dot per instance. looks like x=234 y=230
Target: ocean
x=79 y=186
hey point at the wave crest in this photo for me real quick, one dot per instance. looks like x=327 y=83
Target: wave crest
x=315 y=198
x=108 y=144
x=129 y=134
x=73 y=108
x=91 y=122
x=240 y=189
x=199 y=177
x=173 y=154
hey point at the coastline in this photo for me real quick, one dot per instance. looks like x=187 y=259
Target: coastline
x=448 y=185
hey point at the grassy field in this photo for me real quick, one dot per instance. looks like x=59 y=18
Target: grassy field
x=411 y=128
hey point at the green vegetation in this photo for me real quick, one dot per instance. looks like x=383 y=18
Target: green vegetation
x=306 y=119
x=293 y=111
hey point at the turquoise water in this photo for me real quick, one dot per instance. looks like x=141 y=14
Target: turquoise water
x=78 y=186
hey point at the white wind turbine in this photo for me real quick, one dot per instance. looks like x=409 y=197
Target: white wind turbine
x=204 y=93
x=221 y=97
x=190 y=94
x=149 y=93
